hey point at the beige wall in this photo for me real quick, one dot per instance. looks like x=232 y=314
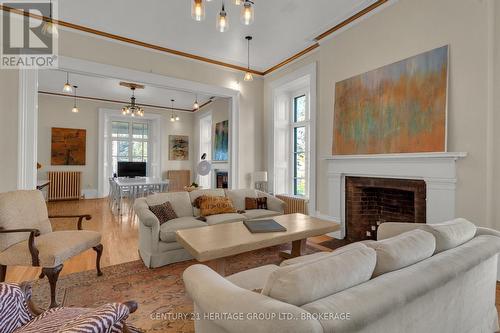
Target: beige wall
x=9 y=81
x=404 y=29
x=56 y=112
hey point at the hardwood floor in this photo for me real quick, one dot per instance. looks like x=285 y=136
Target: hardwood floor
x=119 y=238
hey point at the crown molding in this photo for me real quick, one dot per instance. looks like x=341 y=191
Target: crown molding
x=127 y=40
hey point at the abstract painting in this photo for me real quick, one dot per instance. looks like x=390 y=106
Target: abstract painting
x=221 y=141
x=178 y=147
x=399 y=108
x=68 y=146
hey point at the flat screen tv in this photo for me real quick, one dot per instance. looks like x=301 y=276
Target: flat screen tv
x=131 y=169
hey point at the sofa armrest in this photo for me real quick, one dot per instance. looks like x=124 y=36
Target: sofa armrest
x=214 y=295
x=273 y=203
x=146 y=216
x=486 y=231
x=392 y=229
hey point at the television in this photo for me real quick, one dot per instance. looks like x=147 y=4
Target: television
x=131 y=169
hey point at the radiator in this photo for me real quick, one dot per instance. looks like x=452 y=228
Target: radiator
x=64 y=185
x=294 y=204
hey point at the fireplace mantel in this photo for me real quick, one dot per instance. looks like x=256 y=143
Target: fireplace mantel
x=438 y=170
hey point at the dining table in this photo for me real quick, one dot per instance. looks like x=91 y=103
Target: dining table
x=138 y=186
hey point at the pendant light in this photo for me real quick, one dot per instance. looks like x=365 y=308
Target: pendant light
x=222 y=21
x=247 y=13
x=75 y=109
x=248 y=74
x=49 y=28
x=237 y=2
x=196 y=106
x=198 y=10
x=172 y=118
x=68 y=88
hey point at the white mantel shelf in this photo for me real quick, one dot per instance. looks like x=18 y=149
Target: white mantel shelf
x=438 y=170
x=452 y=155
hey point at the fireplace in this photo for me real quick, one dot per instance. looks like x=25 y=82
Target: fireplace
x=372 y=201
x=221 y=179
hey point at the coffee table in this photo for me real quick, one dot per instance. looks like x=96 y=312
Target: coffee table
x=216 y=242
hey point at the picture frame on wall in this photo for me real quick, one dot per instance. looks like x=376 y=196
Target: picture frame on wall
x=178 y=147
x=68 y=146
x=221 y=142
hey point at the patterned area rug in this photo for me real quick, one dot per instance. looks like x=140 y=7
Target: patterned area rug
x=157 y=291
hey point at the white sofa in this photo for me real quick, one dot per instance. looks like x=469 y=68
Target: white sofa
x=446 y=283
x=158 y=245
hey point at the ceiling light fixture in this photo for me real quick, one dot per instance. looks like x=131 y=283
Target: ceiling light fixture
x=237 y=2
x=68 y=88
x=248 y=74
x=173 y=117
x=247 y=12
x=49 y=28
x=132 y=109
x=75 y=109
x=222 y=20
x=198 y=10
x=196 y=106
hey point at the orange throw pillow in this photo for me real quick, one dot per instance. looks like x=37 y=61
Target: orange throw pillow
x=210 y=205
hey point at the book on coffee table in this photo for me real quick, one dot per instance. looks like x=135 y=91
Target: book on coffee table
x=262 y=226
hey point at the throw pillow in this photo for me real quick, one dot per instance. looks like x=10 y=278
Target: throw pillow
x=164 y=212
x=255 y=203
x=211 y=205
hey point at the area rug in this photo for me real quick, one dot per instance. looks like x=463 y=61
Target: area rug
x=163 y=303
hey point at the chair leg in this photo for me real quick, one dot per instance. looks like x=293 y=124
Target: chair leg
x=52 y=275
x=98 y=249
x=3 y=273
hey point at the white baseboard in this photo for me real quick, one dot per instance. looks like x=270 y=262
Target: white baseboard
x=89 y=193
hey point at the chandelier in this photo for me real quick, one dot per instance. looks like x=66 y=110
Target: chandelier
x=247 y=14
x=132 y=109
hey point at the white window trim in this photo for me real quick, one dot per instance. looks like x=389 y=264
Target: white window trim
x=308 y=72
x=201 y=117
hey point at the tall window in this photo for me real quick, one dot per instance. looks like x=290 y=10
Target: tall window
x=300 y=145
x=129 y=142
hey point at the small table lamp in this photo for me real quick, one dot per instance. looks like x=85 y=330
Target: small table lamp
x=260 y=180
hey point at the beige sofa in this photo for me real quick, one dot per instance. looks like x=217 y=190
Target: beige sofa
x=158 y=245
x=423 y=278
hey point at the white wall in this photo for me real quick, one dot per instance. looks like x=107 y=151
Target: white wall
x=404 y=29
x=9 y=81
x=56 y=112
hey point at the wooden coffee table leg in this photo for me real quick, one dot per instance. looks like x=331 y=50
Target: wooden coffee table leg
x=296 y=250
x=221 y=266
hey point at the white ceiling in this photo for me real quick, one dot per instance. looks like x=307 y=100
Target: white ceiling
x=107 y=88
x=281 y=27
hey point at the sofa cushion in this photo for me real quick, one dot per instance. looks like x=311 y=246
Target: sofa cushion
x=238 y=197
x=163 y=212
x=167 y=230
x=216 y=205
x=255 y=203
x=260 y=213
x=317 y=255
x=252 y=279
x=403 y=250
x=306 y=282
x=179 y=200
x=219 y=192
x=225 y=218
x=452 y=233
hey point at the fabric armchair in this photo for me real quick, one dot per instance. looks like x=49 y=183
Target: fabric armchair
x=27 y=239
x=19 y=315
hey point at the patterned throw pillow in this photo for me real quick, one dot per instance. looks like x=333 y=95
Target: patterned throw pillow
x=164 y=212
x=255 y=203
x=211 y=205
x=14 y=311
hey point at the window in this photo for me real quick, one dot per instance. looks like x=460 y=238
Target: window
x=129 y=142
x=300 y=145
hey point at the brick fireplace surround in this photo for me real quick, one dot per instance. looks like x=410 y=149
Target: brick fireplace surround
x=372 y=201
